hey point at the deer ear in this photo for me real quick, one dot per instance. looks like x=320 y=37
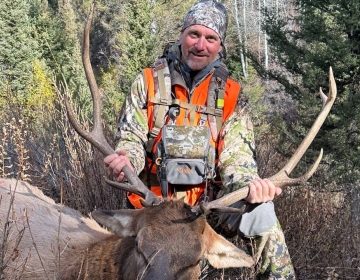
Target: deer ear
x=223 y=254
x=117 y=221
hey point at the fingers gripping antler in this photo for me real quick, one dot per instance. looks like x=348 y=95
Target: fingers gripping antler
x=96 y=136
x=282 y=179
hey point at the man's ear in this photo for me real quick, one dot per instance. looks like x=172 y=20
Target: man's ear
x=222 y=53
x=180 y=35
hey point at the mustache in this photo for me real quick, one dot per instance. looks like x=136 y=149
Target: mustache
x=197 y=52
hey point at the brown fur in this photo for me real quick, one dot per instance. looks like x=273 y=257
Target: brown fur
x=160 y=242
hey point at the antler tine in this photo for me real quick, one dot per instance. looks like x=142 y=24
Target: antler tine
x=150 y=199
x=281 y=179
x=96 y=136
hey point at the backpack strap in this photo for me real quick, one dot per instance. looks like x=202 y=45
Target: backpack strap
x=216 y=98
x=161 y=76
x=186 y=105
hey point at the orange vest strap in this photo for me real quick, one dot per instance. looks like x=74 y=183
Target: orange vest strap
x=232 y=93
x=149 y=81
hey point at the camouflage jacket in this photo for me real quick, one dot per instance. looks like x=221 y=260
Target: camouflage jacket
x=236 y=165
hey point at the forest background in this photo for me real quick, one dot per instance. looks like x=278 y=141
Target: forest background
x=280 y=50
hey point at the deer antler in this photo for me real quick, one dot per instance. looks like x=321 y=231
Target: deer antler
x=282 y=179
x=96 y=136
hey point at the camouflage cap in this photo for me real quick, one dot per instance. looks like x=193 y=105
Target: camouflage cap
x=210 y=14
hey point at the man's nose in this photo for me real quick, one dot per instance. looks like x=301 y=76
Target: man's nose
x=200 y=44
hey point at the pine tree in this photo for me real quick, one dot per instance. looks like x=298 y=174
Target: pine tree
x=18 y=48
x=138 y=41
x=317 y=35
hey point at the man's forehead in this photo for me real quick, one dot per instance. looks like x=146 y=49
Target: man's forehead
x=201 y=29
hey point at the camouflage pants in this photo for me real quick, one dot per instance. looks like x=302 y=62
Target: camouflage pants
x=272 y=255
x=261 y=228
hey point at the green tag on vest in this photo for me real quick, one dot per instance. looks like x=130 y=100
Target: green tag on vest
x=220 y=103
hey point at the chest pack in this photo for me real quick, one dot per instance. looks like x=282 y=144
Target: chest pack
x=184 y=154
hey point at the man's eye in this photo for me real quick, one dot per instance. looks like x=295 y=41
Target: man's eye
x=193 y=35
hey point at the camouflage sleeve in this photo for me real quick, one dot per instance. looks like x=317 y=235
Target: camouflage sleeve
x=237 y=164
x=133 y=124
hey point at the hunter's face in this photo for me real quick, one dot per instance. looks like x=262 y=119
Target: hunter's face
x=200 y=46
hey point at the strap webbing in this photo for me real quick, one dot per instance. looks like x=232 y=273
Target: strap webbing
x=188 y=106
x=162 y=108
x=221 y=74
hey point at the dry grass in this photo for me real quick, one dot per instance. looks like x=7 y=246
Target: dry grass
x=322 y=233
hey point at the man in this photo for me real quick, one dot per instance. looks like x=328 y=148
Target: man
x=183 y=89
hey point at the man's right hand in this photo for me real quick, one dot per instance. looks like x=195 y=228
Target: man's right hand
x=115 y=163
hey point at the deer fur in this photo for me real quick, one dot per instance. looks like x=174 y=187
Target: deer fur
x=45 y=240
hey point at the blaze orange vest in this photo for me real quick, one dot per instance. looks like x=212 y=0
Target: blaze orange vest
x=199 y=97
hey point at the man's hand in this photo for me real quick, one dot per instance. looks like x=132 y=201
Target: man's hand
x=115 y=163
x=262 y=190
